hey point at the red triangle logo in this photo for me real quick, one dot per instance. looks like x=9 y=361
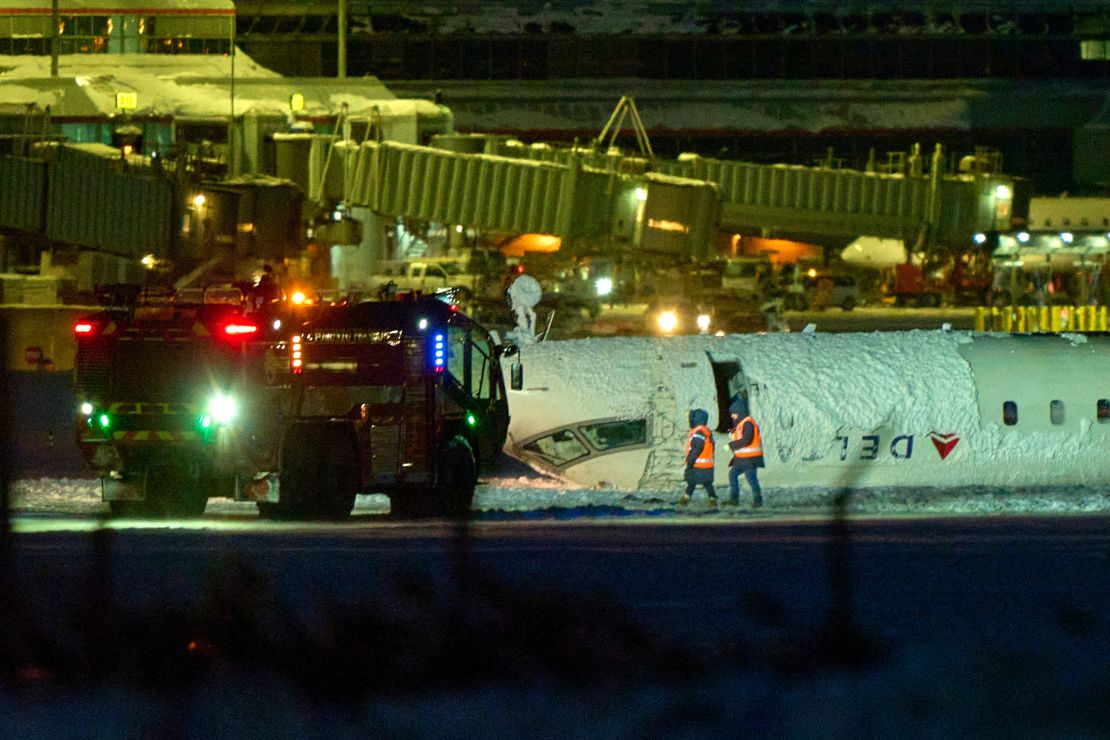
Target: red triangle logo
x=944 y=443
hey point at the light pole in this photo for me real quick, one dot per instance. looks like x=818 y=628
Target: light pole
x=54 y=40
x=341 y=39
x=231 y=158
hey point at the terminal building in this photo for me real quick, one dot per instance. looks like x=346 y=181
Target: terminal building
x=793 y=81
x=169 y=76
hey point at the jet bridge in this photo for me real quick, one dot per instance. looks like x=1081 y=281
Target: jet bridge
x=658 y=205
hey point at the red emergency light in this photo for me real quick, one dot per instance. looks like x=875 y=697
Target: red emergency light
x=83 y=328
x=239 y=329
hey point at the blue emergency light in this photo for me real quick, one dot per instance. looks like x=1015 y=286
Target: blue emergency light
x=439 y=353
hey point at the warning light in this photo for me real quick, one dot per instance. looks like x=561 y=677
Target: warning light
x=471 y=420
x=105 y=421
x=298 y=297
x=83 y=328
x=236 y=330
x=295 y=361
x=439 y=354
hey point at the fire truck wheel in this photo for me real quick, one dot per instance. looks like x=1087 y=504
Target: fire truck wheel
x=172 y=491
x=339 y=479
x=130 y=509
x=453 y=492
x=319 y=479
x=175 y=491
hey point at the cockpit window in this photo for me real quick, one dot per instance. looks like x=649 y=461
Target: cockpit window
x=560 y=447
x=1102 y=410
x=612 y=434
x=1009 y=413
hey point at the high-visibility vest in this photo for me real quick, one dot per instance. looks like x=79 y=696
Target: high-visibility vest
x=755 y=447
x=705 y=459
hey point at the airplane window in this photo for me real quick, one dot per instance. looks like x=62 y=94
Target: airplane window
x=612 y=434
x=1009 y=413
x=560 y=447
x=1056 y=412
x=1102 y=411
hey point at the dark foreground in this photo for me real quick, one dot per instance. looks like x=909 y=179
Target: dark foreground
x=992 y=625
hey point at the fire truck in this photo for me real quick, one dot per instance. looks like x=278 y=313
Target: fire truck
x=176 y=399
x=400 y=397
x=182 y=399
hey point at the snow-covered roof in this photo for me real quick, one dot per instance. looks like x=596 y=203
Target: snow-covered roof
x=113 y=7
x=185 y=86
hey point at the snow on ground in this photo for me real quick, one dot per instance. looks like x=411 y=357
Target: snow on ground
x=530 y=495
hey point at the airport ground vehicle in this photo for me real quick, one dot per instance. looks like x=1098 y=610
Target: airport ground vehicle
x=814 y=289
x=399 y=397
x=747 y=277
x=186 y=397
x=425 y=276
x=174 y=402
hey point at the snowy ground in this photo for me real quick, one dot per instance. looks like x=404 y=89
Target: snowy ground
x=529 y=495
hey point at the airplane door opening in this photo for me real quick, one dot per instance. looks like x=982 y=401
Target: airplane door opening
x=730 y=381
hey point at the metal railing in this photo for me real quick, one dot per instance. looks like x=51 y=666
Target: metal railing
x=1040 y=318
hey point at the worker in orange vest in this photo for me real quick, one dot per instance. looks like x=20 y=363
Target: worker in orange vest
x=747 y=454
x=699 y=458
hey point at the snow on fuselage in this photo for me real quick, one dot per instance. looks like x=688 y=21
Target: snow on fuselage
x=918 y=408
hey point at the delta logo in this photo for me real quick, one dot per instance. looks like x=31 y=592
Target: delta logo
x=944 y=443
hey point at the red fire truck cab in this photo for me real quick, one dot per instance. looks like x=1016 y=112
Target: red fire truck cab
x=404 y=398
x=173 y=400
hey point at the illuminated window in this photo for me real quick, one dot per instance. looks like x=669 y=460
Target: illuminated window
x=1056 y=412
x=1102 y=411
x=1009 y=413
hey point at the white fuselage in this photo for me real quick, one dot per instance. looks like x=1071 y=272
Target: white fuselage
x=917 y=408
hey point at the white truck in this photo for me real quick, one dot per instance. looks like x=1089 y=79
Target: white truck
x=427 y=276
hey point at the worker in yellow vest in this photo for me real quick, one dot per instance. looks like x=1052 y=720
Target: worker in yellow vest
x=747 y=454
x=699 y=458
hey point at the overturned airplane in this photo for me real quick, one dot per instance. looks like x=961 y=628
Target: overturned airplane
x=909 y=409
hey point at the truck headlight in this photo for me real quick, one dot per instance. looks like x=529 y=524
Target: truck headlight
x=222 y=409
x=604 y=287
x=667 y=321
x=703 y=322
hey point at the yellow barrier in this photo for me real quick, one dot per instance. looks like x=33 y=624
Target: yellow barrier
x=1025 y=319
